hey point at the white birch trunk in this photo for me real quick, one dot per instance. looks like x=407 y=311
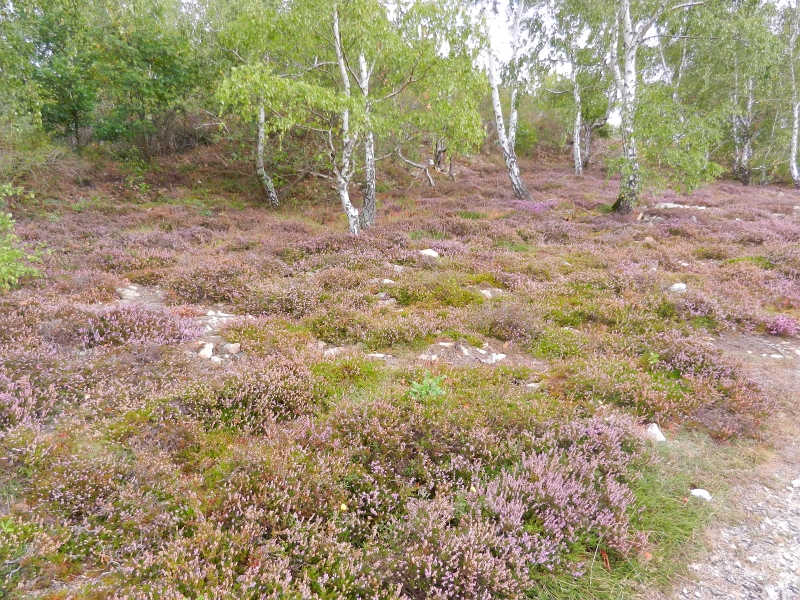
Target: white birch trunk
x=747 y=136
x=507 y=138
x=263 y=176
x=629 y=183
x=343 y=169
x=576 y=135
x=794 y=168
x=369 y=209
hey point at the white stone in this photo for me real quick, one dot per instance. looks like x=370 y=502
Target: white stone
x=494 y=358
x=776 y=355
x=701 y=493
x=464 y=351
x=534 y=386
x=481 y=350
x=654 y=433
x=332 y=351
x=207 y=351
x=684 y=264
x=376 y=355
x=216 y=359
x=429 y=252
x=211 y=313
x=796 y=483
x=428 y=357
x=232 y=348
x=677 y=287
x=388 y=281
x=486 y=293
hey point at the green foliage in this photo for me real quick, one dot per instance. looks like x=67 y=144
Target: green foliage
x=430 y=387
x=13 y=261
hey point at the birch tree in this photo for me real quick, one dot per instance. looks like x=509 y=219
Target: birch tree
x=523 y=28
x=792 y=54
x=634 y=23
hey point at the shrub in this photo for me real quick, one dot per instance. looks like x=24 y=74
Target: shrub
x=255 y=396
x=12 y=260
x=138 y=324
x=211 y=280
x=447 y=291
x=783 y=326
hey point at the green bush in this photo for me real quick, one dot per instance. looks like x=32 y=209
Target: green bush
x=12 y=260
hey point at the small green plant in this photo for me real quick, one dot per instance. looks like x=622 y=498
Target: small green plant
x=429 y=387
x=12 y=260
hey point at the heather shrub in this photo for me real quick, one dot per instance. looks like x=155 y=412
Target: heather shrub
x=214 y=279
x=403 y=329
x=444 y=290
x=783 y=326
x=266 y=335
x=288 y=297
x=137 y=324
x=337 y=326
x=22 y=401
x=256 y=395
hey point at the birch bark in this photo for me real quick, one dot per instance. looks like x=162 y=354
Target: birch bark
x=794 y=168
x=344 y=169
x=263 y=176
x=369 y=209
x=507 y=137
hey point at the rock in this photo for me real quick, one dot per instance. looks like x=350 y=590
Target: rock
x=649 y=240
x=656 y=220
x=332 y=351
x=382 y=295
x=796 y=483
x=428 y=357
x=465 y=351
x=654 y=433
x=677 y=287
x=535 y=386
x=216 y=359
x=232 y=348
x=693 y=219
x=446 y=344
x=128 y=293
x=377 y=355
x=398 y=268
x=486 y=293
x=429 y=252
x=494 y=357
x=206 y=352
x=388 y=281
x=668 y=205
x=211 y=313
x=684 y=264
x=701 y=493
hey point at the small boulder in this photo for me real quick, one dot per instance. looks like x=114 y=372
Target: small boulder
x=796 y=483
x=677 y=287
x=428 y=357
x=388 y=281
x=429 y=252
x=701 y=493
x=207 y=351
x=232 y=348
x=654 y=433
x=494 y=358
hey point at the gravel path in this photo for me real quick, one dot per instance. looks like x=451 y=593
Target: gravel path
x=754 y=549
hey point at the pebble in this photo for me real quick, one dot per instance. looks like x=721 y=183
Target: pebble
x=428 y=357
x=429 y=252
x=796 y=483
x=388 y=281
x=677 y=287
x=494 y=358
x=208 y=349
x=654 y=433
x=701 y=493
x=535 y=386
x=232 y=348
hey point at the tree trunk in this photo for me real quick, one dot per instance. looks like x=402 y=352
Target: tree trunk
x=508 y=138
x=369 y=208
x=438 y=155
x=629 y=181
x=263 y=176
x=794 y=168
x=576 y=129
x=510 y=156
x=747 y=142
x=587 y=147
x=343 y=170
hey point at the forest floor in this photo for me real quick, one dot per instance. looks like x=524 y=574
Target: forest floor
x=202 y=397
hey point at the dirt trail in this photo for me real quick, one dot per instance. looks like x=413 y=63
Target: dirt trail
x=754 y=547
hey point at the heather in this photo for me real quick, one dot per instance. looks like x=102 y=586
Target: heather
x=369 y=421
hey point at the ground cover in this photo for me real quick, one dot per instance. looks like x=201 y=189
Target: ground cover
x=205 y=398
